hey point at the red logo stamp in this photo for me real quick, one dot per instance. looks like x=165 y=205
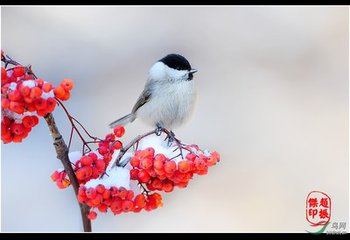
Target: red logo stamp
x=318 y=208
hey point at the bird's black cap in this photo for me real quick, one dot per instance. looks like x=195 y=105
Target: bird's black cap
x=176 y=61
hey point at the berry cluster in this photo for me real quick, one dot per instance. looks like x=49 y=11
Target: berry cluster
x=61 y=179
x=23 y=93
x=118 y=200
x=93 y=165
x=161 y=173
x=15 y=127
x=104 y=185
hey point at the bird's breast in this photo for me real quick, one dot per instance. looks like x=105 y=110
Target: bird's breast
x=171 y=104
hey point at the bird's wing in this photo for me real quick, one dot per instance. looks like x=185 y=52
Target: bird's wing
x=144 y=98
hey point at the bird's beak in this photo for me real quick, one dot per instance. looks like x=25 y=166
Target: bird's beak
x=193 y=70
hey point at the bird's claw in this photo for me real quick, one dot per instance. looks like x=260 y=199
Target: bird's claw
x=171 y=138
x=159 y=130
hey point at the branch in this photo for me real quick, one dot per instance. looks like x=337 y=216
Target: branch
x=62 y=154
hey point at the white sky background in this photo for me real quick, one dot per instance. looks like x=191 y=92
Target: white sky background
x=273 y=100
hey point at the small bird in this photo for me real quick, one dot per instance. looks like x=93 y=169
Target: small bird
x=168 y=96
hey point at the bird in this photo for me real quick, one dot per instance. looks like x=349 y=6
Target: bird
x=168 y=97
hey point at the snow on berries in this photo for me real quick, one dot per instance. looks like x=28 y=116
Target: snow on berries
x=23 y=98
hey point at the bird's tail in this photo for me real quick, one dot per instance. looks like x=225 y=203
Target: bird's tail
x=124 y=120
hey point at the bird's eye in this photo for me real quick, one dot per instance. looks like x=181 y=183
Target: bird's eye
x=190 y=76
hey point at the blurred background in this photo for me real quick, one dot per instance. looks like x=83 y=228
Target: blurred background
x=272 y=100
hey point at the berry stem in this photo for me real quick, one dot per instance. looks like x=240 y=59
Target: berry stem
x=70 y=118
x=62 y=154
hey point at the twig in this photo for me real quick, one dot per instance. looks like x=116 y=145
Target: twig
x=70 y=118
x=127 y=147
x=62 y=154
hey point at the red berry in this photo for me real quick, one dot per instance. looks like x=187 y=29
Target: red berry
x=5 y=103
x=102 y=208
x=29 y=100
x=134 y=174
x=15 y=95
x=137 y=209
x=65 y=183
x=116 y=206
x=18 y=71
x=130 y=195
x=160 y=172
x=81 y=191
x=5 y=132
x=35 y=93
x=40 y=104
x=146 y=163
x=6 y=120
x=106 y=194
x=47 y=87
x=95 y=173
x=102 y=150
x=117 y=145
x=150 y=151
x=184 y=166
x=83 y=173
x=127 y=205
x=213 y=159
x=191 y=157
x=28 y=122
x=36 y=120
x=3 y=74
x=182 y=184
x=93 y=156
x=122 y=193
x=91 y=193
x=66 y=96
x=157 y=184
x=200 y=164
x=39 y=82
x=51 y=104
x=160 y=157
x=140 y=201
x=55 y=176
x=158 y=164
x=92 y=215
x=59 y=92
x=168 y=186
x=86 y=160
x=17 y=128
x=110 y=137
x=144 y=176
x=100 y=188
x=42 y=112
x=135 y=161
x=97 y=200
x=24 y=90
x=67 y=84
x=119 y=131
x=100 y=165
x=170 y=167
